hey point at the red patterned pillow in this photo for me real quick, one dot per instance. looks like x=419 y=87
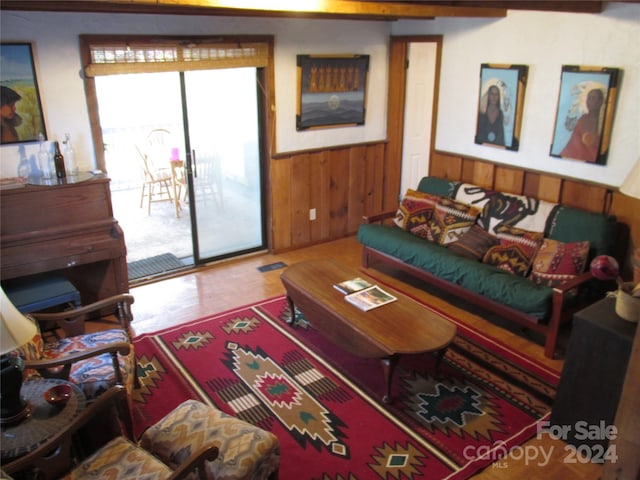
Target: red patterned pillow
x=451 y=220
x=556 y=262
x=415 y=209
x=516 y=249
x=474 y=243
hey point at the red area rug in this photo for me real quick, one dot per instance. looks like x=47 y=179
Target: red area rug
x=325 y=405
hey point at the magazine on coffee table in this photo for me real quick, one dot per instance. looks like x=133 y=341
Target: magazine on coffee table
x=371 y=297
x=352 y=285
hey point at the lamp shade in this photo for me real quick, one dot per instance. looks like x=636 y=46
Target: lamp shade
x=631 y=184
x=16 y=329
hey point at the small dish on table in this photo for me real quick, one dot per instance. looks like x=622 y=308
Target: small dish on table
x=58 y=396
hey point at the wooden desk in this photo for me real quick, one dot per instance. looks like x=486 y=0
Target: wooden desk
x=67 y=229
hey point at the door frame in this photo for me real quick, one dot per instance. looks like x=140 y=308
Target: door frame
x=398 y=63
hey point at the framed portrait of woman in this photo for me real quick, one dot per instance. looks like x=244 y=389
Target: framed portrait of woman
x=584 y=117
x=22 y=118
x=500 y=105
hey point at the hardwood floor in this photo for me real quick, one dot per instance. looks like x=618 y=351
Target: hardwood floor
x=230 y=284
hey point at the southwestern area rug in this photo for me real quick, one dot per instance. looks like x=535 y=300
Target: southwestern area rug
x=325 y=405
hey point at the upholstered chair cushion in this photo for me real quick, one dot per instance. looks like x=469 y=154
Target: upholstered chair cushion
x=120 y=459
x=94 y=375
x=245 y=451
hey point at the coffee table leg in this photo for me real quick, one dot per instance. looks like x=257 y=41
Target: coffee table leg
x=439 y=356
x=292 y=310
x=388 y=367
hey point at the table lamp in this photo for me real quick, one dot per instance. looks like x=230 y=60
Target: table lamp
x=15 y=331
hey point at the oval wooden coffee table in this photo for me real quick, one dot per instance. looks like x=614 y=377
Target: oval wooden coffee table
x=398 y=328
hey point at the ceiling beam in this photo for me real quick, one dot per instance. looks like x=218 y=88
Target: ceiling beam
x=369 y=10
x=337 y=9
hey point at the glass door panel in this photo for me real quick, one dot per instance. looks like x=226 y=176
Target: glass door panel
x=223 y=162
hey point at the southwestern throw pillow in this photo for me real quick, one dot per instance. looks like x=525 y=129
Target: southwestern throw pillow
x=557 y=262
x=474 y=243
x=515 y=251
x=451 y=220
x=415 y=209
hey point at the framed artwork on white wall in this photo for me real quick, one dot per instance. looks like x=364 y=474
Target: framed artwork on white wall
x=500 y=105
x=22 y=118
x=584 y=117
x=332 y=90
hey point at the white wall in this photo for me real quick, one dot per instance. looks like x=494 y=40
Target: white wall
x=57 y=61
x=544 y=42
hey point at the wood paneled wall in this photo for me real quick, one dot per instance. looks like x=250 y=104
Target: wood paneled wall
x=342 y=184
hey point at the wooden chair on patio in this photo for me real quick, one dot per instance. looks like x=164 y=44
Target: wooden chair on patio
x=157 y=179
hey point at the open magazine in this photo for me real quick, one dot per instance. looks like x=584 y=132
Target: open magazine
x=371 y=297
x=352 y=285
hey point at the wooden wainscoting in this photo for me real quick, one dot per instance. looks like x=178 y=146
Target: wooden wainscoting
x=342 y=184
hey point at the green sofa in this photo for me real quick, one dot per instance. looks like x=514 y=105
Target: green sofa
x=514 y=297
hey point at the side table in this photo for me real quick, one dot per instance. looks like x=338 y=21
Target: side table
x=44 y=419
x=593 y=374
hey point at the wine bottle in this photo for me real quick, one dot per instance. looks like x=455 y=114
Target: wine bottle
x=58 y=160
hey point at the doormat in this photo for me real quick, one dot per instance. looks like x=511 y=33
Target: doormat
x=272 y=266
x=148 y=267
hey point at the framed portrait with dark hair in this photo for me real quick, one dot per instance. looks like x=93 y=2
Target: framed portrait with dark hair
x=500 y=105
x=22 y=118
x=332 y=90
x=584 y=116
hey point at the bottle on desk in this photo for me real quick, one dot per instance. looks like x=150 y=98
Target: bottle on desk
x=58 y=160
x=69 y=157
x=44 y=159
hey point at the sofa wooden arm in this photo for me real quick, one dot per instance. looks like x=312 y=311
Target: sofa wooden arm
x=379 y=217
x=572 y=283
x=72 y=321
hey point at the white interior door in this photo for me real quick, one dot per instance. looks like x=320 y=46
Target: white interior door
x=418 y=113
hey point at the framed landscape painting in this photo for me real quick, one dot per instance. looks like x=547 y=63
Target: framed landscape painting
x=584 y=117
x=500 y=105
x=22 y=118
x=331 y=90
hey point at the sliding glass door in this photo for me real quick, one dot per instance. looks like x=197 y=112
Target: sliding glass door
x=202 y=128
x=222 y=139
